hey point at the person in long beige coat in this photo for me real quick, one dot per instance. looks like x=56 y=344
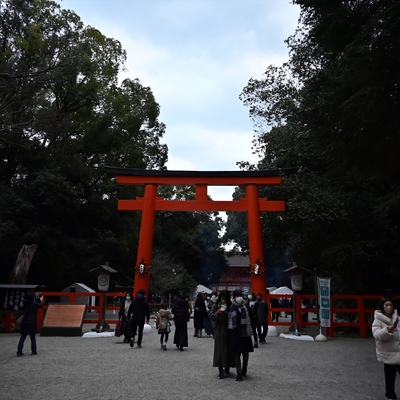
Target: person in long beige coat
x=386 y=334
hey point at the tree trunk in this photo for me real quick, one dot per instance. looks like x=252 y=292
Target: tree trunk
x=19 y=273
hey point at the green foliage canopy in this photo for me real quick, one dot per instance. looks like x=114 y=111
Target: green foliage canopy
x=332 y=111
x=63 y=116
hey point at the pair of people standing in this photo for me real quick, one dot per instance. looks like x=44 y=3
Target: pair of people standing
x=134 y=314
x=232 y=334
x=201 y=319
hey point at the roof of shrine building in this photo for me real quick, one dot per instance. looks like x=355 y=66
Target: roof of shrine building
x=114 y=171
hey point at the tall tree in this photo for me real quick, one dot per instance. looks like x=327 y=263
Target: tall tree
x=331 y=111
x=63 y=116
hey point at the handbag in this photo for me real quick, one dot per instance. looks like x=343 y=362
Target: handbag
x=118 y=328
x=18 y=322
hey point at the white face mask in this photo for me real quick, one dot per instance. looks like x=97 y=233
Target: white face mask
x=239 y=300
x=128 y=297
x=249 y=296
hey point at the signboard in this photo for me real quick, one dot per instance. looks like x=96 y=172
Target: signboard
x=63 y=320
x=12 y=296
x=324 y=293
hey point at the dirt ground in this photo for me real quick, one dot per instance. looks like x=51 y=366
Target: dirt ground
x=105 y=368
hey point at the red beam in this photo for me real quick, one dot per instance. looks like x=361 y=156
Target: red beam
x=199 y=180
x=201 y=205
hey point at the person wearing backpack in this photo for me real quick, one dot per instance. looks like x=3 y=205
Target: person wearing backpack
x=163 y=325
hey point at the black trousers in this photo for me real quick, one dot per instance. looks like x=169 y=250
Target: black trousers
x=390 y=378
x=138 y=325
x=254 y=328
x=262 y=329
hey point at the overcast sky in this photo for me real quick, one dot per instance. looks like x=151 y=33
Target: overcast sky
x=197 y=56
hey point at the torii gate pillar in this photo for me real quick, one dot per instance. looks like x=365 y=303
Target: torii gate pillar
x=142 y=277
x=257 y=270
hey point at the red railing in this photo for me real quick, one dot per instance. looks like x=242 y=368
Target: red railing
x=346 y=310
x=354 y=311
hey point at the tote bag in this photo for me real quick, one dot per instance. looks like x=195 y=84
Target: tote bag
x=118 y=327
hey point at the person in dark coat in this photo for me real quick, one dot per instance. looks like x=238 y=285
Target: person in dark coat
x=275 y=304
x=139 y=313
x=200 y=312
x=239 y=333
x=123 y=315
x=29 y=322
x=219 y=315
x=262 y=319
x=253 y=306
x=180 y=311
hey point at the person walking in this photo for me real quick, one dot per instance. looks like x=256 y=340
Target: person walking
x=180 y=311
x=253 y=306
x=239 y=334
x=199 y=314
x=219 y=316
x=126 y=328
x=275 y=304
x=163 y=325
x=386 y=334
x=29 y=322
x=139 y=313
x=262 y=319
x=207 y=321
x=209 y=306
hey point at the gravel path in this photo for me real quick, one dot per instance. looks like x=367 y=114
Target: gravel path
x=105 y=368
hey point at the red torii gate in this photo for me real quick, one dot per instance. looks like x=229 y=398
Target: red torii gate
x=150 y=203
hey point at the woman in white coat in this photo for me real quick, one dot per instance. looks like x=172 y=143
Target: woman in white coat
x=386 y=334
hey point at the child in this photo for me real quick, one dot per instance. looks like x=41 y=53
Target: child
x=163 y=325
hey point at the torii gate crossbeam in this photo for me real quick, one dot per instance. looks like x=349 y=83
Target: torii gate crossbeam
x=150 y=203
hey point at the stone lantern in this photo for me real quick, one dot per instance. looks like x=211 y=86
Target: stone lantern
x=296 y=280
x=103 y=283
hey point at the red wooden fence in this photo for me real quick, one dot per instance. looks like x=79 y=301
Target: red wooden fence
x=346 y=310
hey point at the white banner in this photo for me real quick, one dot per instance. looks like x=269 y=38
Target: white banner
x=324 y=296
